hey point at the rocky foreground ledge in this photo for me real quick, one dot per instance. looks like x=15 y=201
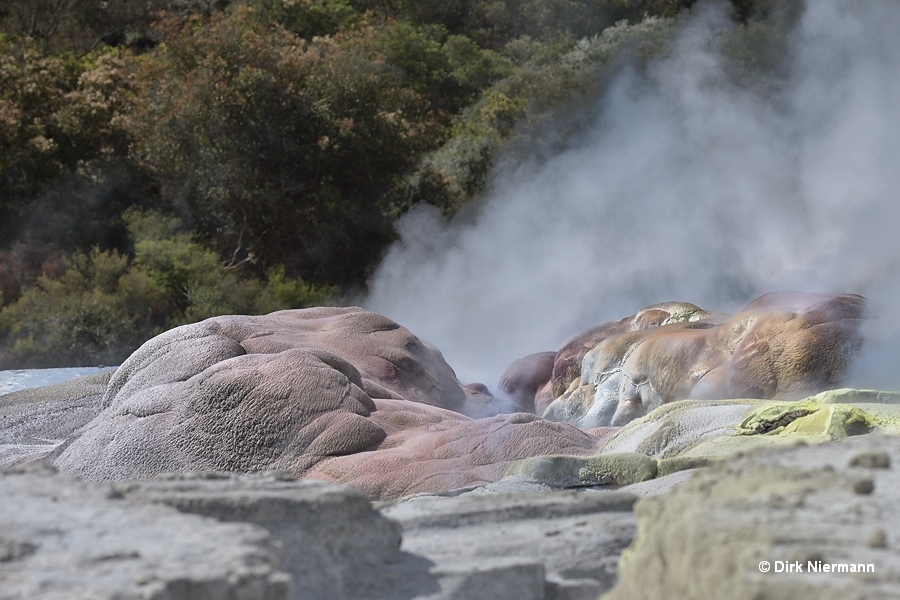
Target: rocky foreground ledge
x=267 y=537
x=667 y=454
x=826 y=508
x=804 y=522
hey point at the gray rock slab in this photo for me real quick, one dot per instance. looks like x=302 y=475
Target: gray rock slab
x=335 y=544
x=822 y=517
x=659 y=485
x=487 y=580
x=572 y=539
x=63 y=539
x=35 y=421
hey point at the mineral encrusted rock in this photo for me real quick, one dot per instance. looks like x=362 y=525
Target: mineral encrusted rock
x=340 y=394
x=812 y=506
x=33 y=422
x=780 y=346
x=236 y=420
x=690 y=434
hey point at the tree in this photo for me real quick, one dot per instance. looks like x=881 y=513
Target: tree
x=84 y=25
x=280 y=150
x=64 y=174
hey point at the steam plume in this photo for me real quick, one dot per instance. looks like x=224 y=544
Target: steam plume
x=688 y=186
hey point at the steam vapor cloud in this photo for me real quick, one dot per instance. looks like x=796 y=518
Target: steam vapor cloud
x=686 y=187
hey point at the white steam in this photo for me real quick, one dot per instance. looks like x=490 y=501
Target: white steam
x=687 y=187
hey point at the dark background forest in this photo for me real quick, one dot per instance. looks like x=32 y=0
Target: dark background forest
x=162 y=162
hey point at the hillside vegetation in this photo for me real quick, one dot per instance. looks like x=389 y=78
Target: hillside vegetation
x=166 y=161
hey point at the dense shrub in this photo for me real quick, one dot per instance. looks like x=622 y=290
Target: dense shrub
x=494 y=23
x=55 y=112
x=91 y=315
x=286 y=149
x=306 y=18
x=22 y=263
x=195 y=285
x=449 y=71
x=104 y=305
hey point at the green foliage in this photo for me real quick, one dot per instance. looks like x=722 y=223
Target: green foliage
x=84 y=25
x=307 y=18
x=286 y=149
x=104 y=305
x=33 y=90
x=86 y=317
x=473 y=66
x=281 y=292
x=494 y=23
x=754 y=52
x=449 y=70
x=22 y=263
x=418 y=52
x=196 y=285
x=514 y=112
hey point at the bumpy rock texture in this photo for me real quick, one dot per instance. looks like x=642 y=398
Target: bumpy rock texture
x=33 y=422
x=350 y=396
x=527 y=382
x=780 y=346
x=427 y=450
x=831 y=504
x=336 y=393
